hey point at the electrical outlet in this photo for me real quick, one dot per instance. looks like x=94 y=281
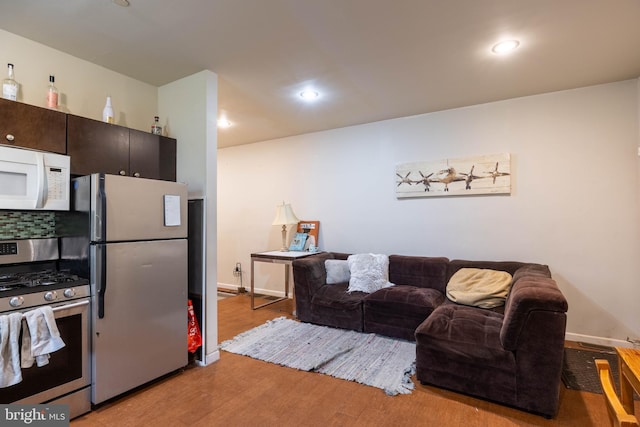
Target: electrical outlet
x=237 y=271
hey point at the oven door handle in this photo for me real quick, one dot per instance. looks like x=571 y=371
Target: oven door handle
x=68 y=306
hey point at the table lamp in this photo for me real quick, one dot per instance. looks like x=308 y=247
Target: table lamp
x=284 y=216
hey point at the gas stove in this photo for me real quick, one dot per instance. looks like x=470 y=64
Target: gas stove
x=29 y=276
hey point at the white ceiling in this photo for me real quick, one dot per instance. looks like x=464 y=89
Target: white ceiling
x=371 y=59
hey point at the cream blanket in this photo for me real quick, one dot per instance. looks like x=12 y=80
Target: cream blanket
x=479 y=287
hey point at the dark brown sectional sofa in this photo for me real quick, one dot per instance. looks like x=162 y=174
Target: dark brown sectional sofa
x=510 y=354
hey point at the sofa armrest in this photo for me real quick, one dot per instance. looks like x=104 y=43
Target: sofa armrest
x=531 y=270
x=533 y=329
x=309 y=274
x=531 y=297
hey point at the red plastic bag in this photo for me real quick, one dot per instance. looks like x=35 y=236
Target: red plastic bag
x=194 y=338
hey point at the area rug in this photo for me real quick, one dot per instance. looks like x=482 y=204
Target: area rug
x=369 y=359
x=579 y=369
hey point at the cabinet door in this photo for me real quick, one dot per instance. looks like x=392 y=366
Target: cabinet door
x=96 y=146
x=152 y=156
x=168 y=147
x=144 y=154
x=27 y=126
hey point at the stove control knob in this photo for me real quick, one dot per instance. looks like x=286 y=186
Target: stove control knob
x=51 y=296
x=16 y=301
x=69 y=293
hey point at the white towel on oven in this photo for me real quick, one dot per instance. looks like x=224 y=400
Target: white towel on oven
x=43 y=337
x=10 y=372
x=26 y=357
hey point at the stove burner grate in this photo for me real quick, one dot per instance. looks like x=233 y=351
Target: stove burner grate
x=35 y=278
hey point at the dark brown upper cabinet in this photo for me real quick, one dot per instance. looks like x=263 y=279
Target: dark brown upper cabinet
x=28 y=126
x=95 y=146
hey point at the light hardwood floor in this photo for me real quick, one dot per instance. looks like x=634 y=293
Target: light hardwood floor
x=240 y=391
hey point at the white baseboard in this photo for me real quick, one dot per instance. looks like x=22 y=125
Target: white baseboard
x=226 y=287
x=270 y=292
x=210 y=358
x=597 y=340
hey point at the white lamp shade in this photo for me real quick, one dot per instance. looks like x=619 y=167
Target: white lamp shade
x=285 y=215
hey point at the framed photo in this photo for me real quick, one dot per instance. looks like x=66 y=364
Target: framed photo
x=297 y=244
x=312 y=228
x=455 y=177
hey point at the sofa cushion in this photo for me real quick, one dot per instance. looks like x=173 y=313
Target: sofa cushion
x=467 y=334
x=423 y=272
x=509 y=266
x=337 y=271
x=479 y=287
x=369 y=272
x=331 y=305
x=458 y=347
x=405 y=300
x=397 y=311
x=336 y=296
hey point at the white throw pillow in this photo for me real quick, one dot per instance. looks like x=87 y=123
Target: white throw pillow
x=337 y=271
x=479 y=287
x=369 y=272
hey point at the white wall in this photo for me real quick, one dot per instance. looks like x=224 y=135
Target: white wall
x=574 y=203
x=191 y=104
x=83 y=86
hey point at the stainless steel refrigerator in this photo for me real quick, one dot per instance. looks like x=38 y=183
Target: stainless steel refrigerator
x=138 y=269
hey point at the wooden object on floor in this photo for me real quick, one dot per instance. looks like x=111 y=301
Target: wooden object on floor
x=617 y=414
x=629 y=366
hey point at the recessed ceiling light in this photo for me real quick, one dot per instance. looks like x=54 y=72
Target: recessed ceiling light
x=123 y=3
x=309 y=94
x=224 y=123
x=505 y=46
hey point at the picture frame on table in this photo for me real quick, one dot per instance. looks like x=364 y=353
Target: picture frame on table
x=297 y=244
x=312 y=229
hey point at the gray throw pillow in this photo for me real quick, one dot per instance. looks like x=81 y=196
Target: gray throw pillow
x=337 y=271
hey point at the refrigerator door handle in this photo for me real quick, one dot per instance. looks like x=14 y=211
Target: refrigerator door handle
x=100 y=211
x=102 y=280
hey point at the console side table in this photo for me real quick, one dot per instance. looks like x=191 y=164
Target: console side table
x=277 y=257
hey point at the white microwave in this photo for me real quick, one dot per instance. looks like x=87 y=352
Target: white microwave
x=33 y=180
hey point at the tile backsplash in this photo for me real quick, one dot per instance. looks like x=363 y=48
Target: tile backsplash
x=27 y=224
x=41 y=224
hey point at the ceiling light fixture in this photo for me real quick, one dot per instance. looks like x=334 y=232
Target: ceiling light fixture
x=505 y=46
x=309 y=94
x=123 y=3
x=224 y=123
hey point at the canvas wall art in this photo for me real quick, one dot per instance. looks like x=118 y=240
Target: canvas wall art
x=455 y=177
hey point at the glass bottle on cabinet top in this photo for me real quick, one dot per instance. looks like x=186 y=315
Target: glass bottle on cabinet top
x=107 y=112
x=9 y=85
x=52 y=94
x=156 y=129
